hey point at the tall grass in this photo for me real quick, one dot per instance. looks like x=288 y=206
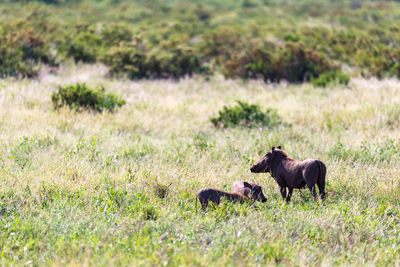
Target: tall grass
x=119 y=188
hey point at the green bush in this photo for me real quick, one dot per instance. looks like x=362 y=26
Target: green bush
x=292 y=62
x=385 y=62
x=126 y=60
x=136 y=62
x=244 y=114
x=31 y=44
x=22 y=51
x=296 y=63
x=174 y=62
x=249 y=41
x=221 y=44
x=254 y=62
x=115 y=34
x=88 y=44
x=12 y=63
x=80 y=96
x=330 y=78
x=85 y=47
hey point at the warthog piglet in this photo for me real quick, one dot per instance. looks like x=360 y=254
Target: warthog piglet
x=250 y=190
x=215 y=195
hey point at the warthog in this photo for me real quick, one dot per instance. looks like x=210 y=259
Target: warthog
x=215 y=195
x=250 y=190
x=289 y=173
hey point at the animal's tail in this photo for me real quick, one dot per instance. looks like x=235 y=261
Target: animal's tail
x=321 y=179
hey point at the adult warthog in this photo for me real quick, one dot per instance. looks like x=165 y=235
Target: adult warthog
x=289 y=173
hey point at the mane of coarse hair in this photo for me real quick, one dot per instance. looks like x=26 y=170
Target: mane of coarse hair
x=283 y=153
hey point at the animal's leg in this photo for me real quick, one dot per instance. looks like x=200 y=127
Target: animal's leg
x=321 y=188
x=283 y=192
x=313 y=191
x=289 y=195
x=204 y=204
x=321 y=179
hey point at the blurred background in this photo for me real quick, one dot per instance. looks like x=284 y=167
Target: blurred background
x=322 y=41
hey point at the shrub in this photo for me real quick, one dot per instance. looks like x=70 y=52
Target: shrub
x=255 y=62
x=292 y=37
x=174 y=62
x=330 y=78
x=126 y=59
x=220 y=44
x=133 y=60
x=295 y=63
x=385 y=62
x=292 y=62
x=115 y=34
x=30 y=44
x=244 y=114
x=21 y=51
x=80 y=96
x=85 y=47
x=12 y=64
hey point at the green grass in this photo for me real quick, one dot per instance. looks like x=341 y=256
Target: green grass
x=119 y=188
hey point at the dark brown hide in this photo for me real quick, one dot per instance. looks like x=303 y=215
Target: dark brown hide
x=250 y=190
x=289 y=173
x=215 y=195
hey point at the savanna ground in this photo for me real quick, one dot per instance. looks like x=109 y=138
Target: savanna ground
x=119 y=188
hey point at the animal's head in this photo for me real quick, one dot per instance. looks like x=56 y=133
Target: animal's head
x=264 y=164
x=257 y=193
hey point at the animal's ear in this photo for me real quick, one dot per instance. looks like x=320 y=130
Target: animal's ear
x=273 y=148
x=279 y=147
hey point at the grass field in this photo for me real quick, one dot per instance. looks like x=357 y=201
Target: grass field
x=119 y=188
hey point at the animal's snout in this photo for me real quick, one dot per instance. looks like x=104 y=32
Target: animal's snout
x=253 y=168
x=264 y=200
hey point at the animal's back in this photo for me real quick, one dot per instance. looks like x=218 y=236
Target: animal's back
x=322 y=169
x=300 y=173
x=234 y=196
x=208 y=193
x=241 y=188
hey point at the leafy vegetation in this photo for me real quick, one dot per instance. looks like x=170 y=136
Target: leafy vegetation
x=248 y=115
x=270 y=40
x=80 y=96
x=21 y=51
x=330 y=78
x=291 y=62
